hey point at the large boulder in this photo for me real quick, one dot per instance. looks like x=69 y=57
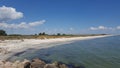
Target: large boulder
x=37 y=63
x=27 y=65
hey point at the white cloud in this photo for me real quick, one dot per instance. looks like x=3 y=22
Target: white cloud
x=9 y=13
x=22 y=24
x=36 y=23
x=93 y=28
x=98 y=28
x=118 y=27
x=105 y=28
x=71 y=29
x=102 y=27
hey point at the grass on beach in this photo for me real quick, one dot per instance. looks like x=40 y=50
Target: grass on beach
x=17 y=37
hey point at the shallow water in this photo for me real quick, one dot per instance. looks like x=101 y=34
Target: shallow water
x=94 y=53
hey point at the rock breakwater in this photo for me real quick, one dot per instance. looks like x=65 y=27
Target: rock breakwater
x=35 y=63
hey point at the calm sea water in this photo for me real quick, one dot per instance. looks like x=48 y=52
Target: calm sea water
x=94 y=53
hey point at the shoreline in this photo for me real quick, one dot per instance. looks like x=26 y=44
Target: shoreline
x=10 y=47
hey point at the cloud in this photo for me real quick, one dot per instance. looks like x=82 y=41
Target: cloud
x=71 y=29
x=98 y=28
x=118 y=27
x=22 y=24
x=105 y=28
x=93 y=28
x=102 y=27
x=9 y=13
x=36 y=23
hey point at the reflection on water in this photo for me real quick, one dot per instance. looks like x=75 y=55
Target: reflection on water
x=95 y=53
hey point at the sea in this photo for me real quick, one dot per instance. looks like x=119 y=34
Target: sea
x=92 y=53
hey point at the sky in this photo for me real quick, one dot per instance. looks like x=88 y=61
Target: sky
x=60 y=16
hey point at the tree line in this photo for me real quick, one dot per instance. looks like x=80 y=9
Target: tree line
x=3 y=33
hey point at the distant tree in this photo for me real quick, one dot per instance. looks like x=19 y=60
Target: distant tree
x=3 y=33
x=63 y=34
x=35 y=34
x=58 y=34
x=43 y=33
x=103 y=34
x=40 y=33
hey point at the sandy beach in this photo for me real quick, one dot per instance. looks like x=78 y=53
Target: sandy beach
x=11 y=47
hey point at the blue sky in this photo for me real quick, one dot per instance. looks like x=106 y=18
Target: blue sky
x=60 y=16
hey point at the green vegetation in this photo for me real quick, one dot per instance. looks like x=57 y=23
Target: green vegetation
x=58 y=34
x=43 y=35
x=3 y=33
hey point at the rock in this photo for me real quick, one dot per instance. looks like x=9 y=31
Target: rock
x=25 y=60
x=59 y=65
x=36 y=63
x=21 y=65
x=27 y=65
x=38 y=60
x=55 y=65
x=8 y=65
x=50 y=66
x=14 y=65
x=63 y=66
x=18 y=64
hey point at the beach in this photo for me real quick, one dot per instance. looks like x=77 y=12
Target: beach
x=11 y=47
